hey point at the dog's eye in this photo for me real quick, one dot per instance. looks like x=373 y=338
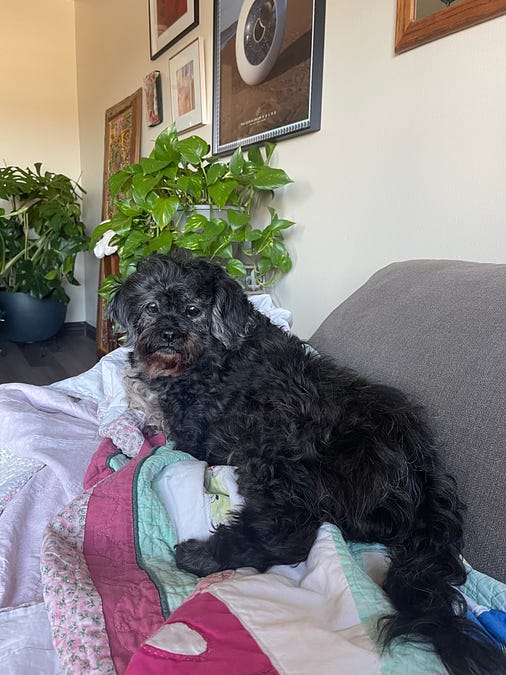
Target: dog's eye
x=192 y=310
x=152 y=308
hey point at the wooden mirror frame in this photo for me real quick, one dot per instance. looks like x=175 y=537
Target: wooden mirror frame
x=411 y=32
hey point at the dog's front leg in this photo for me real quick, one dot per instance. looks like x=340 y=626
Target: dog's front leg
x=256 y=537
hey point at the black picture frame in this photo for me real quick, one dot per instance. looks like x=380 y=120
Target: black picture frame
x=283 y=94
x=163 y=34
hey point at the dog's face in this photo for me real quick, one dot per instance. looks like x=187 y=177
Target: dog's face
x=174 y=308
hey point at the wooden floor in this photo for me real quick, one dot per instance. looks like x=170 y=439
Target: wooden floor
x=46 y=362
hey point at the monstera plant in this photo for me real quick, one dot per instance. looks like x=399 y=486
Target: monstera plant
x=41 y=234
x=181 y=196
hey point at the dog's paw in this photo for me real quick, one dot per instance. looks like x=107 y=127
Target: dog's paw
x=194 y=556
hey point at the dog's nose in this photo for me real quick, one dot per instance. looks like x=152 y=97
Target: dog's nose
x=168 y=335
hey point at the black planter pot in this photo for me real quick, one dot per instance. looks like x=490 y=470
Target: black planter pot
x=24 y=318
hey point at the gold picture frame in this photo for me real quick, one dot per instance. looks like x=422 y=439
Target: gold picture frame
x=411 y=32
x=122 y=146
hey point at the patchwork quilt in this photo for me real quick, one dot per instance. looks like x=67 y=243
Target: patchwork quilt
x=117 y=602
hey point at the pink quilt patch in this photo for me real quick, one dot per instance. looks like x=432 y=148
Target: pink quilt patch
x=201 y=637
x=131 y=604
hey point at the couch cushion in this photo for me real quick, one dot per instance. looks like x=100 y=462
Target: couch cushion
x=437 y=330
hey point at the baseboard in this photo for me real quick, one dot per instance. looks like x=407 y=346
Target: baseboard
x=79 y=328
x=90 y=331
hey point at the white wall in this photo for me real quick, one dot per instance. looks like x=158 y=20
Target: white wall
x=38 y=96
x=410 y=161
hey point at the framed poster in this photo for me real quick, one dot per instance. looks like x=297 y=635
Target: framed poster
x=267 y=67
x=122 y=145
x=169 y=20
x=187 y=86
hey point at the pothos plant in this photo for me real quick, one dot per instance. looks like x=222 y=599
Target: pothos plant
x=41 y=231
x=158 y=204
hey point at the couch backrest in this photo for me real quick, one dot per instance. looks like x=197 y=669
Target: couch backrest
x=437 y=330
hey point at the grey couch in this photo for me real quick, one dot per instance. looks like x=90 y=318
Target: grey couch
x=437 y=330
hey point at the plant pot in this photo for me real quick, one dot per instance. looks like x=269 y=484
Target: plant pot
x=24 y=318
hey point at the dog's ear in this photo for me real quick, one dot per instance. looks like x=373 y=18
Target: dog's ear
x=232 y=313
x=116 y=311
x=115 y=307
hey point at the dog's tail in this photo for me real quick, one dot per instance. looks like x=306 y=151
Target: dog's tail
x=421 y=584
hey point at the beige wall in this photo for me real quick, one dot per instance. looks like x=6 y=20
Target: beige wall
x=38 y=96
x=410 y=161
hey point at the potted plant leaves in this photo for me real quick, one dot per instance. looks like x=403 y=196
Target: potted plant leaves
x=41 y=234
x=181 y=196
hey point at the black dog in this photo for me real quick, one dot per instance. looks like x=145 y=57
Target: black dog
x=311 y=443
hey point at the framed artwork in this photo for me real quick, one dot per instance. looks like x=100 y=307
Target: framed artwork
x=169 y=20
x=122 y=142
x=267 y=67
x=187 y=86
x=153 y=97
x=422 y=21
x=122 y=146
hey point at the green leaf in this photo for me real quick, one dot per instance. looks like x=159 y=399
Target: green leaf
x=141 y=185
x=195 y=221
x=280 y=257
x=277 y=224
x=238 y=235
x=68 y=264
x=267 y=178
x=236 y=268
x=193 y=149
x=109 y=286
x=264 y=265
x=213 y=229
x=224 y=251
x=161 y=244
x=255 y=156
x=192 y=241
x=220 y=192
x=215 y=172
x=128 y=208
x=150 y=165
x=59 y=295
x=164 y=210
x=191 y=184
x=237 y=162
x=237 y=218
x=166 y=146
x=252 y=234
x=117 y=181
x=134 y=242
x=269 y=150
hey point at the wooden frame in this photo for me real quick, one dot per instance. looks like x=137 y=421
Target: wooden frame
x=122 y=146
x=187 y=86
x=411 y=32
x=169 y=20
x=266 y=87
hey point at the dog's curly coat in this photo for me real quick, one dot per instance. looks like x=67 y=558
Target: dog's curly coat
x=311 y=443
